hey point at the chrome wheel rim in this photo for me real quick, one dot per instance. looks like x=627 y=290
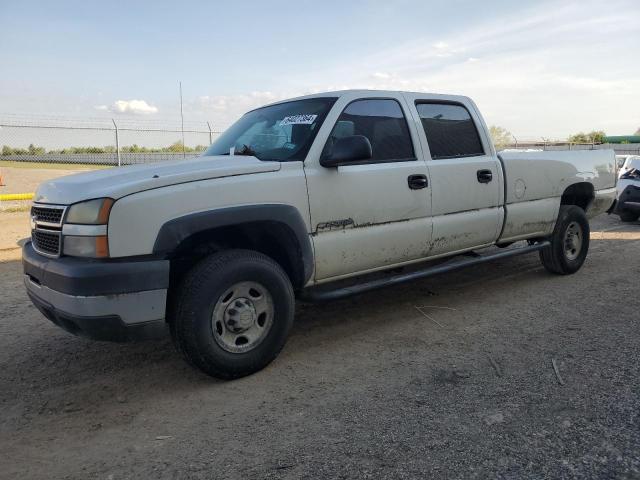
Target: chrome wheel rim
x=242 y=317
x=573 y=241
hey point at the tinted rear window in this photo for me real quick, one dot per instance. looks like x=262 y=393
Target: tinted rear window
x=450 y=130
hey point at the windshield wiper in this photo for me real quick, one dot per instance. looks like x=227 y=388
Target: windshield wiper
x=245 y=150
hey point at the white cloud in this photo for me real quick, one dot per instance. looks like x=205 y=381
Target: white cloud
x=225 y=109
x=136 y=107
x=550 y=70
x=102 y=108
x=539 y=75
x=381 y=75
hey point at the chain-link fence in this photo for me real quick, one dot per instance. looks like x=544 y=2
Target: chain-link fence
x=619 y=148
x=99 y=141
x=119 y=141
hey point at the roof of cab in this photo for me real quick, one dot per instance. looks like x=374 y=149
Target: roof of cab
x=355 y=92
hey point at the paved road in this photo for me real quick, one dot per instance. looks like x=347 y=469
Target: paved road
x=368 y=387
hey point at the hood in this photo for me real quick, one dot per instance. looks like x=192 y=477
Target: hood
x=121 y=181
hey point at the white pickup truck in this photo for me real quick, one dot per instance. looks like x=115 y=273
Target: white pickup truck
x=291 y=198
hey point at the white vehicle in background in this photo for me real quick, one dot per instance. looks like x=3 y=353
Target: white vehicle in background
x=624 y=163
x=291 y=199
x=628 y=190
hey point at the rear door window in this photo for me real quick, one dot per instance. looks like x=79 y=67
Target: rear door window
x=450 y=130
x=382 y=122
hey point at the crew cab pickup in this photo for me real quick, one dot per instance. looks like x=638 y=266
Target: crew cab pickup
x=290 y=199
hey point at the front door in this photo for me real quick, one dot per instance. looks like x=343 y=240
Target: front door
x=375 y=214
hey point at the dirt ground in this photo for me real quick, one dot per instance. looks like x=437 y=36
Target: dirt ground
x=24 y=178
x=368 y=387
x=14 y=225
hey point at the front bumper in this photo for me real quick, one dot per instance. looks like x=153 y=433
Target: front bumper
x=629 y=200
x=103 y=300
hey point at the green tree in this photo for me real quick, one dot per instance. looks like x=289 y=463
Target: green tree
x=501 y=136
x=33 y=150
x=6 y=150
x=595 y=136
x=175 y=147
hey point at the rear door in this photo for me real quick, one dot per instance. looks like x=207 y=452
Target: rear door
x=376 y=213
x=465 y=173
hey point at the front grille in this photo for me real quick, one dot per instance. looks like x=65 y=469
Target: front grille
x=46 y=241
x=51 y=215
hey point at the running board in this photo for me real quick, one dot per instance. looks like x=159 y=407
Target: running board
x=317 y=294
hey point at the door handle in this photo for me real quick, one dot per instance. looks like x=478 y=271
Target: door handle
x=484 y=176
x=416 y=182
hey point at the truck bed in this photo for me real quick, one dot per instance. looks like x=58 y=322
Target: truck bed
x=536 y=181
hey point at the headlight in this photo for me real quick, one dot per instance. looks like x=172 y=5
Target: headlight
x=94 y=247
x=91 y=212
x=84 y=230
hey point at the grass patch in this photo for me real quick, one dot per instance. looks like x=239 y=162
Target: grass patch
x=52 y=166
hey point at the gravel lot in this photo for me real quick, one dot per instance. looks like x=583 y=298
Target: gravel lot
x=25 y=178
x=366 y=388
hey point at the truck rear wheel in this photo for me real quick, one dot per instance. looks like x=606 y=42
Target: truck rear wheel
x=569 y=242
x=233 y=313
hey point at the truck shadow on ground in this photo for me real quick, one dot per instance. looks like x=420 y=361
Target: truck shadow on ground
x=41 y=359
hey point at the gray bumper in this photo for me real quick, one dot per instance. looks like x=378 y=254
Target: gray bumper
x=114 y=301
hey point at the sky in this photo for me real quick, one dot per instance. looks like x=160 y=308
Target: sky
x=537 y=68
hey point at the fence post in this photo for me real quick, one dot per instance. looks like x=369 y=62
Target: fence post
x=210 y=133
x=117 y=142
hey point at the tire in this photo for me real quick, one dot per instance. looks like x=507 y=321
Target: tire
x=566 y=254
x=232 y=313
x=629 y=216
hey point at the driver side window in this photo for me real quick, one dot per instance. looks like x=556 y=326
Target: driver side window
x=382 y=122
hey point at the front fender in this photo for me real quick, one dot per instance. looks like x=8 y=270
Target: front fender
x=175 y=231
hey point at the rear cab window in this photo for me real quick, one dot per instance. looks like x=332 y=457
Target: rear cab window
x=450 y=130
x=383 y=122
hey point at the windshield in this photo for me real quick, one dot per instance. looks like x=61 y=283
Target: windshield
x=282 y=132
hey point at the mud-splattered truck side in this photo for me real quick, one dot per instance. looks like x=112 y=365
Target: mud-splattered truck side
x=290 y=199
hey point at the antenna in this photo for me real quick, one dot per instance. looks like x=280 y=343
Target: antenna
x=182 y=120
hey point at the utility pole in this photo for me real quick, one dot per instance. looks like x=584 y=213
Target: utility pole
x=117 y=142
x=182 y=121
x=210 y=133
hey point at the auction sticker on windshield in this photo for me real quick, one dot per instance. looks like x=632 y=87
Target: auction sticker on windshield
x=298 y=120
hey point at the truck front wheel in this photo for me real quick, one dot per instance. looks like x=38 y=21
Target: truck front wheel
x=233 y=313
x=569 y=242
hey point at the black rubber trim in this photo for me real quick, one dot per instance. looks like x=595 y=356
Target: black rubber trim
x=89 y=277
x=631 y=193
x=322 y=294
x=109 y=328
x=177 y=230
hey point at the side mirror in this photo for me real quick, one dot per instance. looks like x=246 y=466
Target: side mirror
x=346 y=150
